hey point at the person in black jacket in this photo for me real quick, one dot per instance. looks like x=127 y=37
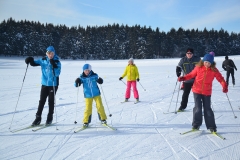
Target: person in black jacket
x=228 y=65
x=186 y=65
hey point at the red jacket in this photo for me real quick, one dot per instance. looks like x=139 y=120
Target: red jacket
x=204 y=78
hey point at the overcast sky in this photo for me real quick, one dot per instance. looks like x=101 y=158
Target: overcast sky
x=165 y=14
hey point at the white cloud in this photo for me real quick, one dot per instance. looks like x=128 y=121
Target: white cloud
x=217 y=17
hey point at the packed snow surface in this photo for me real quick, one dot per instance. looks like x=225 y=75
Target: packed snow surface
x=143 y=130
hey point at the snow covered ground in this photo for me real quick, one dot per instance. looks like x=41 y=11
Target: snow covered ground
x=143 y=131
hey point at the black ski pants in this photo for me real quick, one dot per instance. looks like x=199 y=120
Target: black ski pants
x=202 y=101
x=186 y=91
x=232 y=75
x=46 y=91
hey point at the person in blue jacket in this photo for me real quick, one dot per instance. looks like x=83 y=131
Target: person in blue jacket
x=51 y=69
x=89 y=79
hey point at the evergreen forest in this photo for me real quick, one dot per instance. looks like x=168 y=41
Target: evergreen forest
x=113 y=41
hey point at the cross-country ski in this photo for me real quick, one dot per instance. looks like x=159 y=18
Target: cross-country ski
x=25 y=128
x=43 y=127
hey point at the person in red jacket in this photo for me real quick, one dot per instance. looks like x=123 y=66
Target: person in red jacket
x=204 y=73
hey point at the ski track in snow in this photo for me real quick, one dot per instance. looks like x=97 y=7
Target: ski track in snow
x=174 y=152
x=211 y=138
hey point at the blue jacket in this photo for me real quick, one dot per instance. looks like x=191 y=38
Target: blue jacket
x=50 y=76
x=90 y=87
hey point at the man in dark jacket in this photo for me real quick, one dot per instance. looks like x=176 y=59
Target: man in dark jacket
x=186 y=64
x=228 y=65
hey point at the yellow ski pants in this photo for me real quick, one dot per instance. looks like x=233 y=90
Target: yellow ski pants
x=88 y=109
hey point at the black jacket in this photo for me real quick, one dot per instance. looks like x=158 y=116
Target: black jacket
x=228 y=65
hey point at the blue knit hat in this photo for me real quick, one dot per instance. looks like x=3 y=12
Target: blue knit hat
x=51 y=49
x=87 y=67
x=209 y=58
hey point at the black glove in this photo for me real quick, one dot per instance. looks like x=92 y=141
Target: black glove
x=138 y=79
x=53 y=63
x=120 y=78
x=100 y=80
x=29 y=60
x=78 y=82
x=178 y=71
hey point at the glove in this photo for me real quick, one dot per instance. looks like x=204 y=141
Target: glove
x=120 y=78
x=178 y=71
x=181 y=79
x=225 y=90
x=78 y=82
x=138 y=79
x=53 y=63
x=100 y=80
x=29 y=60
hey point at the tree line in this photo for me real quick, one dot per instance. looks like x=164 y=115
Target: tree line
x=29 y=38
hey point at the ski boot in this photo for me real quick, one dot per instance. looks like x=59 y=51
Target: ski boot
x=85 y=125
x=180 y=109
x=195 y=128
x=37 y=121
x=49 y=119
x=103 y=121
x=213 y=130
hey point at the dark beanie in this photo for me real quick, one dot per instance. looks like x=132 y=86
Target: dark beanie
x=226 y=57
x=190 y=50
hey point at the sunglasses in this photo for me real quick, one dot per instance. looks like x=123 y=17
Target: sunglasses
x=189 y=53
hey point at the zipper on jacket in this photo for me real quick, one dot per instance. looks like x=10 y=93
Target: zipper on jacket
x=130 y=73
x=90 y=85
x=48 y=73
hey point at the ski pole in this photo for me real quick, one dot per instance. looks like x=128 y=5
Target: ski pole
x=54 y=95
x=141 y=85
x=110 y=115
x=177 y=98
x=76 y=105
x=123 y=82
x=231 y=106
x=19 y=96
x=172 y=96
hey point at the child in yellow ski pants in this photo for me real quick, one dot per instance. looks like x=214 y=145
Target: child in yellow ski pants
x=89 y=79
x=88 y=109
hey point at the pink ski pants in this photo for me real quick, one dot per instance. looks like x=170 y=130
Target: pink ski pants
x=128 y=91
